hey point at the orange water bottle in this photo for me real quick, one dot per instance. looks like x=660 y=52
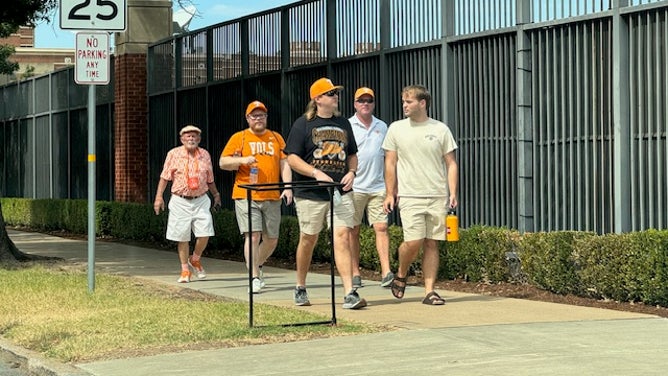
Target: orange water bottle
x=451 y=226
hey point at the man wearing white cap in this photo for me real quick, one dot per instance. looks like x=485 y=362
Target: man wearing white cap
x=189 y=169
x=321 y=146
x=369 y=186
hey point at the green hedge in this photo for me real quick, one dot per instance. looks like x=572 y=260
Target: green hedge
x=624 y=267
x=479 y=255
x=549 y=261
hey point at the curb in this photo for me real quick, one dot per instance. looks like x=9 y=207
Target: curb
x=37 y=364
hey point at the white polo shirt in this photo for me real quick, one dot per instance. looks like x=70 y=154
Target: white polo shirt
x=370 y=155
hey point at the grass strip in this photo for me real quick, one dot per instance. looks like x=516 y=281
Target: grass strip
x=49 y=310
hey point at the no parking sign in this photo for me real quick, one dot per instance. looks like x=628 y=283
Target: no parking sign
x=92 y=59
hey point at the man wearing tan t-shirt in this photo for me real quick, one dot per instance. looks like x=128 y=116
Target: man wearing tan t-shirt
x=421 y=176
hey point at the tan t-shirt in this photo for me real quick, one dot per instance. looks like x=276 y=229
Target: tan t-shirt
x=421 y=149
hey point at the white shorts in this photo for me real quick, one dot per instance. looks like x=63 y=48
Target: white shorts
x=189 y=216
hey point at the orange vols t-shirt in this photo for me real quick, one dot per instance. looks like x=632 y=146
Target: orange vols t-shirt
x=268 y=150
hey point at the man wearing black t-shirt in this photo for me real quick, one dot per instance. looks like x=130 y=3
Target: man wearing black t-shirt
x=321 y=146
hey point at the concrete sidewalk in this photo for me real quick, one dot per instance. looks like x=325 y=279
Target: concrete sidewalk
x=470 y=335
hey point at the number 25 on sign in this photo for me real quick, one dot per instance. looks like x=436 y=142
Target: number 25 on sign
x=108 y=15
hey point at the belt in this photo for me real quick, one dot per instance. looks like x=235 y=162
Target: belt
x=190 y=197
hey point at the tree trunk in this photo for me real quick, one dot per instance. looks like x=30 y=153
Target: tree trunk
x=9 y=254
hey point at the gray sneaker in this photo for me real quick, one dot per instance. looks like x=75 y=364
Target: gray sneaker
x=301 y=296
x=353 y=301
x=387 y=280
x=357 y=281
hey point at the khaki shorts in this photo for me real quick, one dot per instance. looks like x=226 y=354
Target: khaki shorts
x=423 y=218
x=313 y=215
x=373 y=203
x=266 y=216
x=186 y=216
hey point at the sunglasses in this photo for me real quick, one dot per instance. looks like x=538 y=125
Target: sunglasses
x=258 y=116
x=370 y=100
x=331 y=93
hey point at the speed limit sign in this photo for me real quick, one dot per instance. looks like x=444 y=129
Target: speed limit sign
x=108 y=15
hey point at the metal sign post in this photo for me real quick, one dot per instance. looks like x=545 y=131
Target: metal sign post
x=92 y=68
x=91 y=188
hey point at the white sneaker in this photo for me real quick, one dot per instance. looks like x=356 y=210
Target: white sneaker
x=197 y=268
x=184 y=278
x=257 y=285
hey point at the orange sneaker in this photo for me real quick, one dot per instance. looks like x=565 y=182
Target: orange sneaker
x=197 y=268
x=185 y=277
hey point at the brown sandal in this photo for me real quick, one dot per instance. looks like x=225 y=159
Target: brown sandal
x=433 y=299
x=397 y=289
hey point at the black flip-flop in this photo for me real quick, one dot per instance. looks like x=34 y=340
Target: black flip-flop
x=398 y=290
x=433 y=299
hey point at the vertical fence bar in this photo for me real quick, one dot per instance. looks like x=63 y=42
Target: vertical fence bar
x=663 y=156
x=563 y=137
x=572 y=127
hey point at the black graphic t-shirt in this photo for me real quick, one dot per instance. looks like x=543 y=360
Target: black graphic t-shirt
x=324 y=144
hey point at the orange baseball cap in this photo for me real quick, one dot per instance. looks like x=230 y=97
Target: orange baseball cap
x=323 y=85
x=363 y=91
x=189 y=128
x=255 y=105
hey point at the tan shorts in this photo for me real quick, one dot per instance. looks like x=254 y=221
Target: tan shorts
x=186 y=216
x=313 y=215
x=373 y=203
x=423 y=218
x=266 y=216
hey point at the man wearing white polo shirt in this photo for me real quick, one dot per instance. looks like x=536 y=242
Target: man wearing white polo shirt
x=369 y=184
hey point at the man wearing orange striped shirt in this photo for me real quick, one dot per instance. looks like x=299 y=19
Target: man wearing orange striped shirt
x=189 y=169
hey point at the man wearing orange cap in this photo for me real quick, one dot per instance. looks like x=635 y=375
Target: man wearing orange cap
x=321 y=146
x=259 y=149
x=369 y=186
x=189 y=169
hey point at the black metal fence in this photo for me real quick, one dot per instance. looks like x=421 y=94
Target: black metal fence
x=559 y=107
x=44 y=138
